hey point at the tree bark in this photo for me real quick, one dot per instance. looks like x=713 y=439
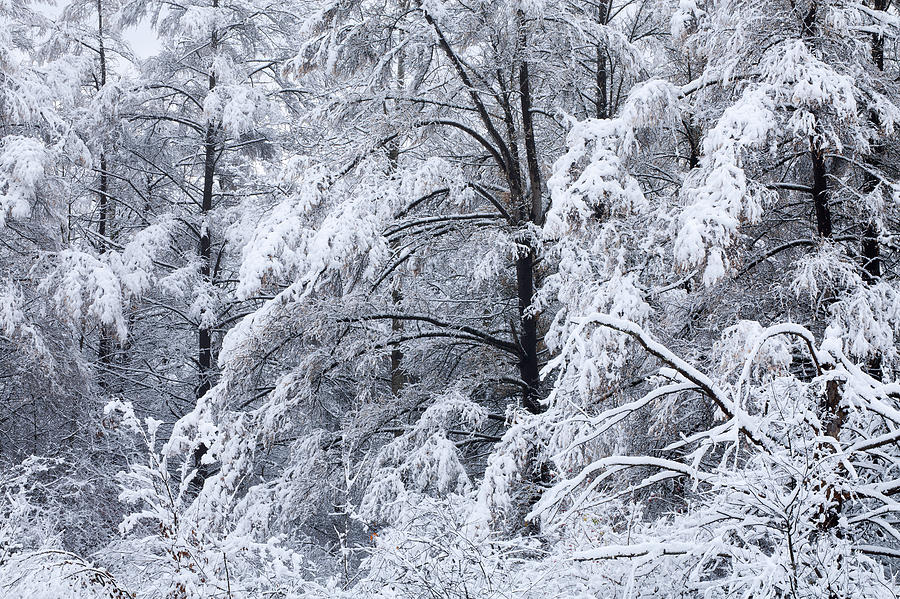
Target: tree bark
x=106 y=342
x=399 y=378
x=602 y=92
x=531 y=160
x=204 y=335
x=204 y=331
x=204 y=357
x=820 y=194
x=871 y=252
x=528 y=363
x=833 y=416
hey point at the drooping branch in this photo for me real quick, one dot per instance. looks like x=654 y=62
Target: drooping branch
x=469 y=331
x=486 y=121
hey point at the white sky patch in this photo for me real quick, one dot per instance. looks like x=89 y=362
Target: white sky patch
x=143 y=40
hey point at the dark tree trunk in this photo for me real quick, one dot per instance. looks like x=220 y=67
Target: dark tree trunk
x=820 y=174
x=878 y=38
x=528 y=361
x=204 y=334
x=399 y=378
x=104 y=227
x=534 y=171
x=833 y=416
x=529 y=210
x=809 y=21
x=602 y=92
x=101 y=47
x=204 y=331
x=507 y=159
x=871 y=252
x=820 y=194
x=106 y=342
x=204 y=357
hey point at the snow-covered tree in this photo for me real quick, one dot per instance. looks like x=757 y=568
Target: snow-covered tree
x=402 y=298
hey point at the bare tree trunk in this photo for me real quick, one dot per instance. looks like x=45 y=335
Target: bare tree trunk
x=399 y=378
x=106 y=342
x=692 y=133
x=833 y=416
x=531 y=159
x=878 y=38
x=602 y=92
x=204 y=337
x=204 y=357
x=869 y=247
x=820 y=194
x=204 y=331
x=529 y=211
x=528 y=361
x=871 y=252
x=819 y=173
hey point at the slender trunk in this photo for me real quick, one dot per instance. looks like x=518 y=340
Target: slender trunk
x=101 y=47
x=870 y=249
x=528 y=361
x=820 y=194
x=691 y=132
x=399 y=378
x=508 y=161
x=871 y=252
x=531 y=159
x=204 y=330
x=529 y=210
x=878 y=38
x=871 y=255
x=693 y=139
x=602 y=101
x=521 y=206
x=204 y=357
x=833 y=412
x=104 y=228
x=602 y=98
x=817 y=154
x=833 y=416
